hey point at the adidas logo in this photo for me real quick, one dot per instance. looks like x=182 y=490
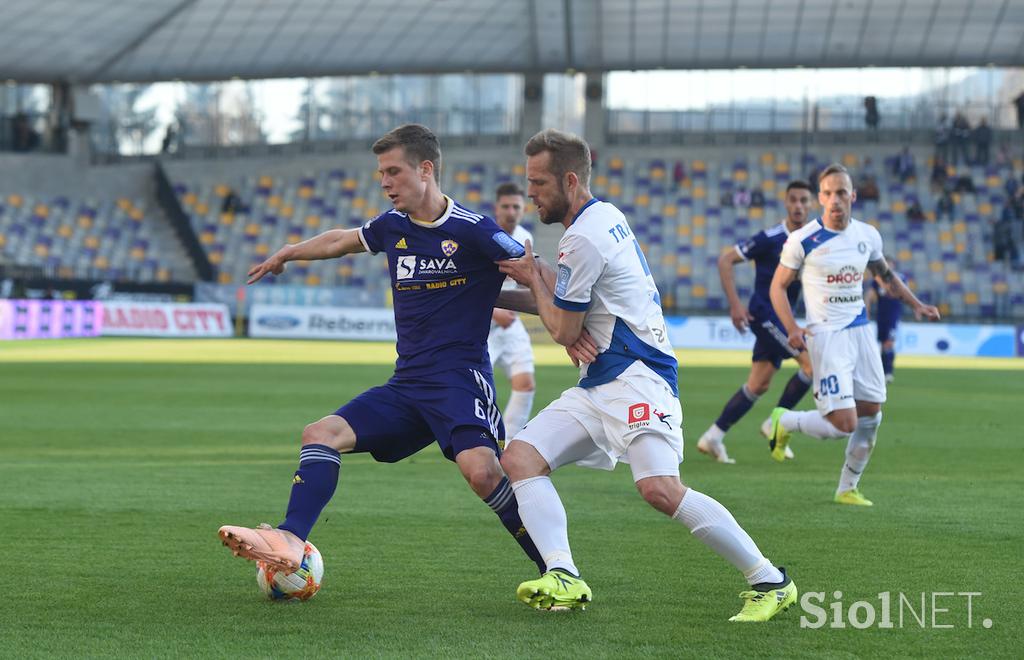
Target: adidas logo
x=780 y=595
x=297 y=480
x=401 y=244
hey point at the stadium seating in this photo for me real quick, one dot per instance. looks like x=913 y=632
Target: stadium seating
x=682 y=224
x=91 y=238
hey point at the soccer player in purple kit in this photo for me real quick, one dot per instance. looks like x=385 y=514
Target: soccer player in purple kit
x=441 y=258
x=772 y=343
x=888 y=308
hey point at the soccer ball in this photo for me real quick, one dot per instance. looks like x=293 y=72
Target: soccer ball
x=300 y=585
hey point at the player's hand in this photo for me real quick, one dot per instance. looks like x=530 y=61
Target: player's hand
x=798 y=336
x=583 y=350
x=741 y=318
x=274 y=264
x=522 y=269
x=929 y=312
x=503 y=317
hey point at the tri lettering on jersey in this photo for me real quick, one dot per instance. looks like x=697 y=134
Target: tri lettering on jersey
x=619 y=232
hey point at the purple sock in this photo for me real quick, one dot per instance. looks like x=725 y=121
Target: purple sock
x=795 y=390
x=736 y=407
x=312 y=488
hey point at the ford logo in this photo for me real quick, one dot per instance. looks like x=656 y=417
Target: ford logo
x=278 y=322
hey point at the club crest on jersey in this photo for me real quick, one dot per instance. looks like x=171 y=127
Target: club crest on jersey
x=449 y=247
x=639 y=416
x=862 y=247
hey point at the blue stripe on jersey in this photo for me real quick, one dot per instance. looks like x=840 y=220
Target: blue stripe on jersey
x=862 y=319
x=570 y=306
x=593 y=200
x=627 y=348
x=817 y=239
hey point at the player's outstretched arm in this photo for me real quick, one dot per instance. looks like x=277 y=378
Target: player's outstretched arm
x=328 y=245
x=898 y=288
x=741 y=317
x=780 y=301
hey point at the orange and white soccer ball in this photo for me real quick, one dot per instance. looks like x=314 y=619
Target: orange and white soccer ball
x=300 y=585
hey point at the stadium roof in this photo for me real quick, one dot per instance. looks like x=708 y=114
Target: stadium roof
x=87 y=41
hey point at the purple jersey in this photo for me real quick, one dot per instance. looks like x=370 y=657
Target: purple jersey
x=764 y=248
x=445 y=284
x=887 y=313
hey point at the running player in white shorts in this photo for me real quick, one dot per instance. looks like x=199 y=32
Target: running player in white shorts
x=603 y=304
x=508 y=342
x=830 y=256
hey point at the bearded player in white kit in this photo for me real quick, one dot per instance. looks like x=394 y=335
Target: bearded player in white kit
x=626 y=406
x=508 y=342
x=830 y=256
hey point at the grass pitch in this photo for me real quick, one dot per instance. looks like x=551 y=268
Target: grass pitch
x=120 y=458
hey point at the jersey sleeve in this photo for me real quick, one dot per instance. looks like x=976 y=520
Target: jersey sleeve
x=792 y=253
x=495 y=243
x=372 y=234
x=579 y=265
x=876 y=245
x=753 y=247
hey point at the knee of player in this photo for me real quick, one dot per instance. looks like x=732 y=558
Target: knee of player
x=481 y=476
x=319 y=433
x=758 y=387
x=518 y=462
x=845 y=425
x=664 y=494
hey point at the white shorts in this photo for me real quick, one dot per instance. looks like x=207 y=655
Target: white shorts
x=634 y=419
x=847 y=368
x=510 y=348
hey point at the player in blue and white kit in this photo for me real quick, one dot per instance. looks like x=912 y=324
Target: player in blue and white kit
x=888 y=309
x=625 y=407
x=509 y=342
x=441 y=258
x=830 y=256
x=771 y=346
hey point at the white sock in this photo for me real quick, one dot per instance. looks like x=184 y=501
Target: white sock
x=544 y=518
x=712 y=523
x=858 y=451
x=517 y=412
x=810 y=422
x=714 y=434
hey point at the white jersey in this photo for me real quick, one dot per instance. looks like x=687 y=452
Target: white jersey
x=833 y=265
x=603 y=272
x=521 y=235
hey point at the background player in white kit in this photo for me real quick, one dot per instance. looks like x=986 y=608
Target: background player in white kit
x=508 y=342
x=830 y=256
x=625 y=407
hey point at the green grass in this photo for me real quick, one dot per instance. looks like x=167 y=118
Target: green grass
x=115 y=477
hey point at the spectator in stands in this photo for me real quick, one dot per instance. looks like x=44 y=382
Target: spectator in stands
x=867 y=188
x=741 y=198
x=25 y=137
x=232 y=202
x=1003 y=245
x=940 y=173
x=168 y=141
x=982 y=141
x=725 y=200
x=964 y=184
x=942 y=130
x=1003 y=157
x=757 y=200
x=871 y=113
x=679 y=172
x=905 y=167
x=960 y=136
x=945 y=206
x=915 y=213
x=1019 y=103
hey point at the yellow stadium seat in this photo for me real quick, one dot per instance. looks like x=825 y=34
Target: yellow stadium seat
x=312 y=221
x=124 y=203
x=944 y=309
x=138 y=254
x=971 y=298
x=959 y=227
x=100 y=262
x=929 y=216
x=935 y=266
x=518 y=170
x=985 y=208
x=684 y=230
x=274 y=201
x=262 y=250
x=42 y=210
x=206 y=238
x=782 y=168
x=668 y=259
x=682 y=270
x=252 y=229
x=952 y=277
x=92 y=242
x=224 y=278
x=874 y=223
x=358 y=203
x=349 y=184
x=615 y=163
x=600 y=181
x=188 y=199
x=756 y=213
x=768 y=185
x=216 y=258
x=294 y=238
x=699 y=240
x=904 y=255
x=993 y=181
x=137 y=215
x=850 y=160
x=699 y=221
x=15 y=200
x=614 y=190
x=42 y=250
x=305 y=192
x=945 y=237
x=668 y=301
x=66 y=272
x=669 y=211
x=642 y=201
x=740 y=176
x=227 y=219
x=698 y=291
x=462 y=177
x=658 y=173
x=699 y=192
x=312 y=280
x=899 y=206
x=220 y=190
x=65 y=231
x=345 y=270
x=473 y=196
x=1000 y=287
x=699 y=166
x=767 y=158
x=266 y=182
x=286 y=211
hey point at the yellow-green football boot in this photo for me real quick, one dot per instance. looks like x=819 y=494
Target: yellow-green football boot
x=854 y=497
x=555 y=590
x=765 y=600
x=778 y=440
